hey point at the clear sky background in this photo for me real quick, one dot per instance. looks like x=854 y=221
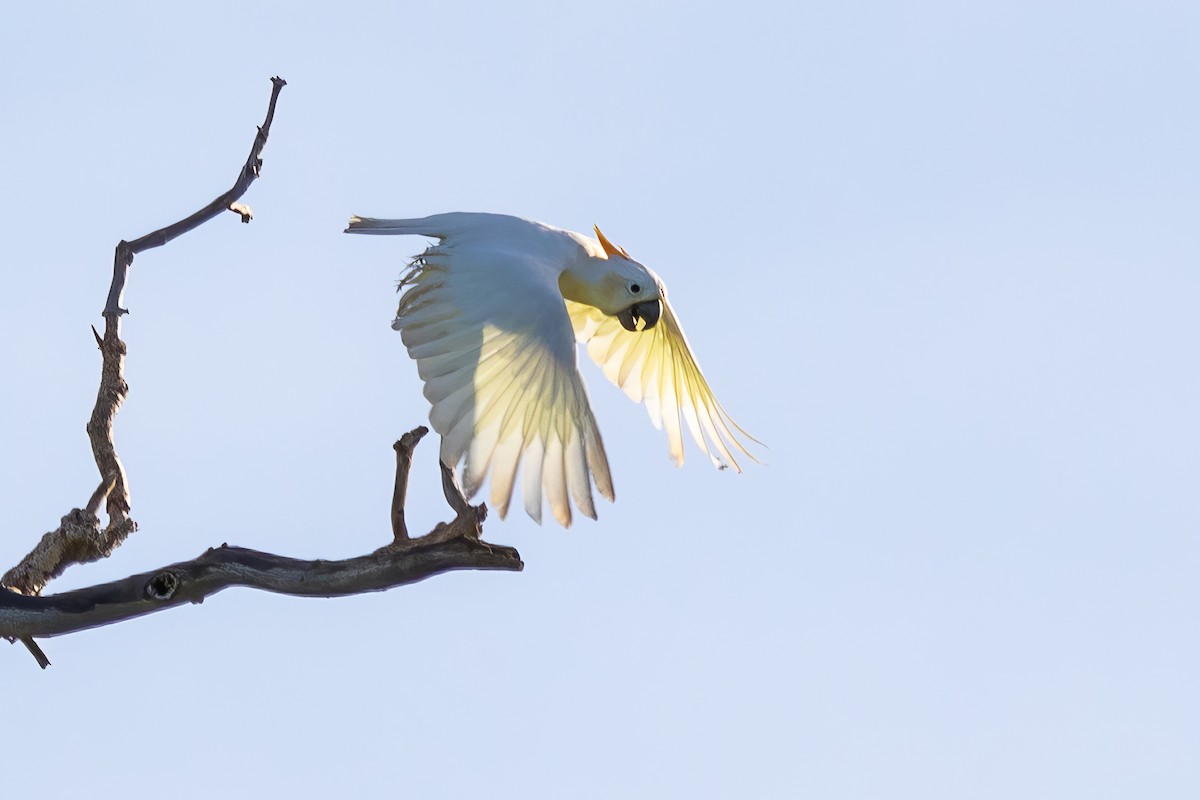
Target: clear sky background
x=941 y=257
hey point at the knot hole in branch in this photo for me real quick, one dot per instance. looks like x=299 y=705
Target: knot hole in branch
x=162 y=586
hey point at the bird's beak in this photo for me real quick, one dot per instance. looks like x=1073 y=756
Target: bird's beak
x=648 y=311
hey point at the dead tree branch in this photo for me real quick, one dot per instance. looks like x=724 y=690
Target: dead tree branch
x=404 y=450
x=225 y=566
x=226 y=202
x=26 y=615
x=449 y=546
x=452 y=546
x=79 y=539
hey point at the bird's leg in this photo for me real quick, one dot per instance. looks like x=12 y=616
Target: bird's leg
x=450 y=488
x=468 y=519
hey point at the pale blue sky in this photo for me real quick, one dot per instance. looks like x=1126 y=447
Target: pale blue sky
x=941 y=257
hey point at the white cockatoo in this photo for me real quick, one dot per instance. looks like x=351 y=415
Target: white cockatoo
x=491 y=314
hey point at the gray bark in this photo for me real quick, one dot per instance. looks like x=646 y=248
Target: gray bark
x=449 y=547
x=79 y=538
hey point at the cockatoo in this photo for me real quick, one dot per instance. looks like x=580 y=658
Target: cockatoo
x=491 y=314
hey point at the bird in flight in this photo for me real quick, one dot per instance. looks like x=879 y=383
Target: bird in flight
x=491 y=314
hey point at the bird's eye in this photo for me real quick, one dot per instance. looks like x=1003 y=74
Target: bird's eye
x=635 y=288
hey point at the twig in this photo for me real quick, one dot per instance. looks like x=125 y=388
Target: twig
x=109 y=398
x=404 y=450
x=226 y=202
x=35 y=651
x=25 y=614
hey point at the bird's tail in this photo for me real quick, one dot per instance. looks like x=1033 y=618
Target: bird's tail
x=439 y=226
x=385 y=227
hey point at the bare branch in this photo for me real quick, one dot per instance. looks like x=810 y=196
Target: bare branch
x=79 y=539
x=109 y=398
x=449 y=546
x=453 y=547
x=100 y=495
x=25 y=614
x=35 y=651
x=404 y=450
x=250 y=170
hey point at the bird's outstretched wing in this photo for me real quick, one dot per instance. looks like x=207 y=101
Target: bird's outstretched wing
x=486 y=324
x=657 y=367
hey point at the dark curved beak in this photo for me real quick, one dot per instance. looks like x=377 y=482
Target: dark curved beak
x=648 y=311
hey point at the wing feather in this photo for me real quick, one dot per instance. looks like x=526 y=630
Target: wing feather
x=657 y=368
x=505 y=458
x=575 y=461
x=531 y=478
x=483 y=317
x=554 y=479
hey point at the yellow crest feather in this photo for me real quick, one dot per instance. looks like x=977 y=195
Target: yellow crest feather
x=610 y=249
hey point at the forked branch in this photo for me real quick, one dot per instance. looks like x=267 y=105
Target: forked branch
x=450 y=546
x=79 y=539
x=25 y=614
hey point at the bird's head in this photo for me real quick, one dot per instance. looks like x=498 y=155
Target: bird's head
x=632 y=292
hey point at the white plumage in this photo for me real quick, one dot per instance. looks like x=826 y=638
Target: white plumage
x=491 y=314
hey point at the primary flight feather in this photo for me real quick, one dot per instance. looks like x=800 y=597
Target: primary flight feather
x=491 y=314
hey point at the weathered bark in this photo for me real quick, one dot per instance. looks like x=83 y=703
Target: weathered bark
x=79 y=539
x=221 y=567
x=404 y=450
x=449 y=546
